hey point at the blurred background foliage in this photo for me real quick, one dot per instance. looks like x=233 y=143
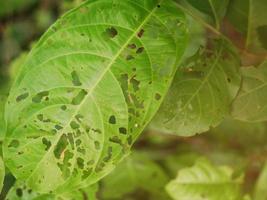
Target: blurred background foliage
x=156 y=157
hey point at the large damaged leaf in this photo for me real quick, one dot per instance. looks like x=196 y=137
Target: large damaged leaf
x=87 y=90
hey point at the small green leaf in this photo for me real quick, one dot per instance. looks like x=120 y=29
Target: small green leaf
x=201 y=93
x=88 y=93
x=135 y=174
x=260 y=192
x=204 y=181
x=250 y=104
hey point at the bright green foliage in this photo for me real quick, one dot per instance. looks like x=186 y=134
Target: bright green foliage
x=250 y=104
x=137 y=173
x=87 y=90
x=21 y=192
x=2 y=173
x=249 y=17
x=11 y=6
x=260 y=190
x=204 y=181
x=201 y=94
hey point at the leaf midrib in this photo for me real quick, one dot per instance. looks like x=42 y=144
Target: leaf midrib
x=94 y=86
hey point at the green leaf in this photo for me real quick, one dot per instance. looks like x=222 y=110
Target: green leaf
x=214 y=9
x=4 y=89
x=20 y=191
x=250 y=104
x=88 y=89
x=260 y=192
x=2 y=173
x=134 y=175
x=201 y=94
x=204 y=181
x=249 y=17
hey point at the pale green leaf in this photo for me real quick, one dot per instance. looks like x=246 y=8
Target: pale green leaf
x=204 y=181
x=201 y=94
x=88 y=89
x=133 y=175
x=260 y=192
x=250 y=18
x=250 y=104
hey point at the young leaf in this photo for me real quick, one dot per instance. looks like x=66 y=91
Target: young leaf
x=87 y=90
x=201 y=94
x=260 y=192
x=134 y=175
x=250 y=104
x=204 y=181
x=249 y=17
x=2 y=173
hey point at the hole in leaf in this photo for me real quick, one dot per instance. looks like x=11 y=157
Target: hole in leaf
x=140 y=50
x=75 y=79
x=129 y=57
x=157 y=96
x=19 y=192
x=74 y=125
x=79 y=98
x=14 y=143
x=112 y=119
x=38 y=98
x=131 y=46
x=111 y=32
x=47 y=143
x=58 y=127
x=64 y=107
x=80 y=163
x=123 y=130
x=61 y=146
x=22 y=97
x=141 y=33
x=115 y=139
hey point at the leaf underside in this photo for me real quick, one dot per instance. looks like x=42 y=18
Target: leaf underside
x=87 y=90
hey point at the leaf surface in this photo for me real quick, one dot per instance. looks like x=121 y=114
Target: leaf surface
x=201 y=93
x=250 y=18
x=214 y=10
x=88 y=89
x=204 y=181
x=250 y=104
